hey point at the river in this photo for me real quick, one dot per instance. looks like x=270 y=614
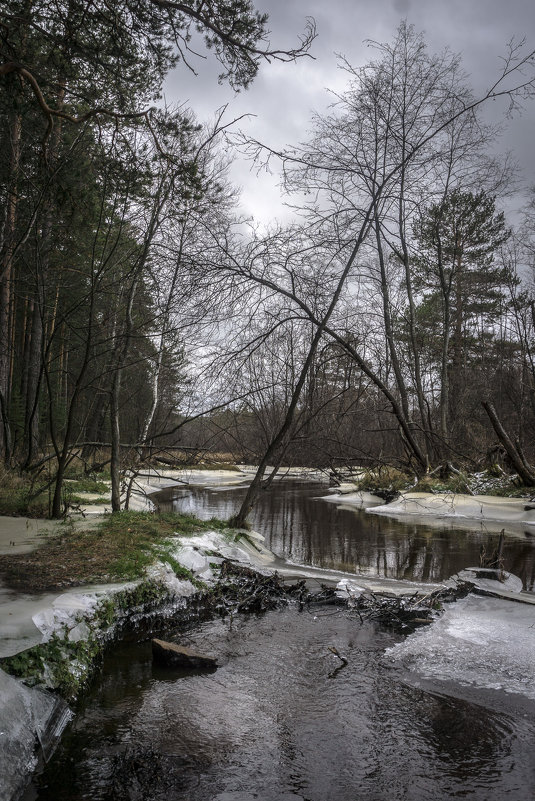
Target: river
x=300 y=526
x=282 y=718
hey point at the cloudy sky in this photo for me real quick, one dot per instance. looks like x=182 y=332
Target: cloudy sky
x=283 y=96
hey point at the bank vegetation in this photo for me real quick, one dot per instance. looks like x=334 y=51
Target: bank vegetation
x=391 y=323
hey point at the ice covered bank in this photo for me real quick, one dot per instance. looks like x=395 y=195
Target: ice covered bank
x=348 y=497
x=485 y=643
x=441 y=506
x=445 y=505
x=68 y=633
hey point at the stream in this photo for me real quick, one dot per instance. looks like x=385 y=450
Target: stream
x=301 y=527
x=282 y=718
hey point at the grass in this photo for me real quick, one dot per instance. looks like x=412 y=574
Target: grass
x=86 y=484
x=383 y=481
x=17 y=502
x=119 y=548
x=483 y=483
x=456 y=483
x=388 y=481
x=20 y=497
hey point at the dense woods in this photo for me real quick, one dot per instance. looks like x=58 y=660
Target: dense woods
x=390 y=321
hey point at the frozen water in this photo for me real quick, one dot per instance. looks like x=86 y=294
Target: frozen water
x=353 y=500
x=28 y=717
x=482 y=642
x=450 y=505
x=22 y=534
x=488 y=579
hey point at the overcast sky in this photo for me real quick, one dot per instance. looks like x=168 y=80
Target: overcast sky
x=283 y=96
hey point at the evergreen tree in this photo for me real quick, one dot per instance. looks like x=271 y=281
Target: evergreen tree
x=464 y=284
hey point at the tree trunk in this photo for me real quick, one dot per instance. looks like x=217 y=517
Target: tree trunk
x=115 y=464
x=240 y=519
x=525 y=473
x=7 y=247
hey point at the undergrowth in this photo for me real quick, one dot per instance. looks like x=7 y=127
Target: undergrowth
x=119 y=548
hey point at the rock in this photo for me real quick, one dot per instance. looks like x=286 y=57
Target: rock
x=172 y=655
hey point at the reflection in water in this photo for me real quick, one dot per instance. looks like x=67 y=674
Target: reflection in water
x=273 y=723
x=302 y=528
x=278 y=721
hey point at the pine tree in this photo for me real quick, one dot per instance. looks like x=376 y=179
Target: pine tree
x=463 y=283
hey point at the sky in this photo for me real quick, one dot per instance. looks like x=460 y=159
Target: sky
x=283 y=96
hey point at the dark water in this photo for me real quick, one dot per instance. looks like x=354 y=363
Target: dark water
x=281 y=719
x=300 y=527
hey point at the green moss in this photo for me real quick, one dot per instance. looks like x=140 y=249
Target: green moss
x=66 y=666
x=179 y=570
x=242 y=535
x=146 y=593
x=106 y=613
x=58 y=664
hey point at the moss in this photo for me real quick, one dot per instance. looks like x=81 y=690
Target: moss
x=243 y=535
x=179 y=570
x=58 y=664
x=66 y=666
x=148 y=593
x=106 y=612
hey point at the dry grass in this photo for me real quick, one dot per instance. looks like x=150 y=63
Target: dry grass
x=118 y=549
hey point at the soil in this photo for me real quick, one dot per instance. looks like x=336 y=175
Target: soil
x=57 y=565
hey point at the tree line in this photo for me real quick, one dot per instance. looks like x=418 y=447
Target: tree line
x=391 y=321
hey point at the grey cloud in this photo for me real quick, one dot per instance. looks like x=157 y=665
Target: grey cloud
x=283 y=96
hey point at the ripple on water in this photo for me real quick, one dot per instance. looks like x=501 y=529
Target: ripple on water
x=278 y=721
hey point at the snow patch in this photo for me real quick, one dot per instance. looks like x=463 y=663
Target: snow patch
x=450 y=505
x=483 y=642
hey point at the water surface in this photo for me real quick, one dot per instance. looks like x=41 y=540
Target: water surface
x=301 y=527
x=281 y=719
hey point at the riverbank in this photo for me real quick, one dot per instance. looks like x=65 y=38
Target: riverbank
x=75 y=627
x=432 y=508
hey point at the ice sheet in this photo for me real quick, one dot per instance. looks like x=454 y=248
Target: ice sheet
x=482 y=642
x=28 y=717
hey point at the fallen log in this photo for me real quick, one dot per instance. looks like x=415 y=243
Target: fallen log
x=525 y=472
x=172 y=655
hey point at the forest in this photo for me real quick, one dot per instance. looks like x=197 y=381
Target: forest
x=390 y=321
